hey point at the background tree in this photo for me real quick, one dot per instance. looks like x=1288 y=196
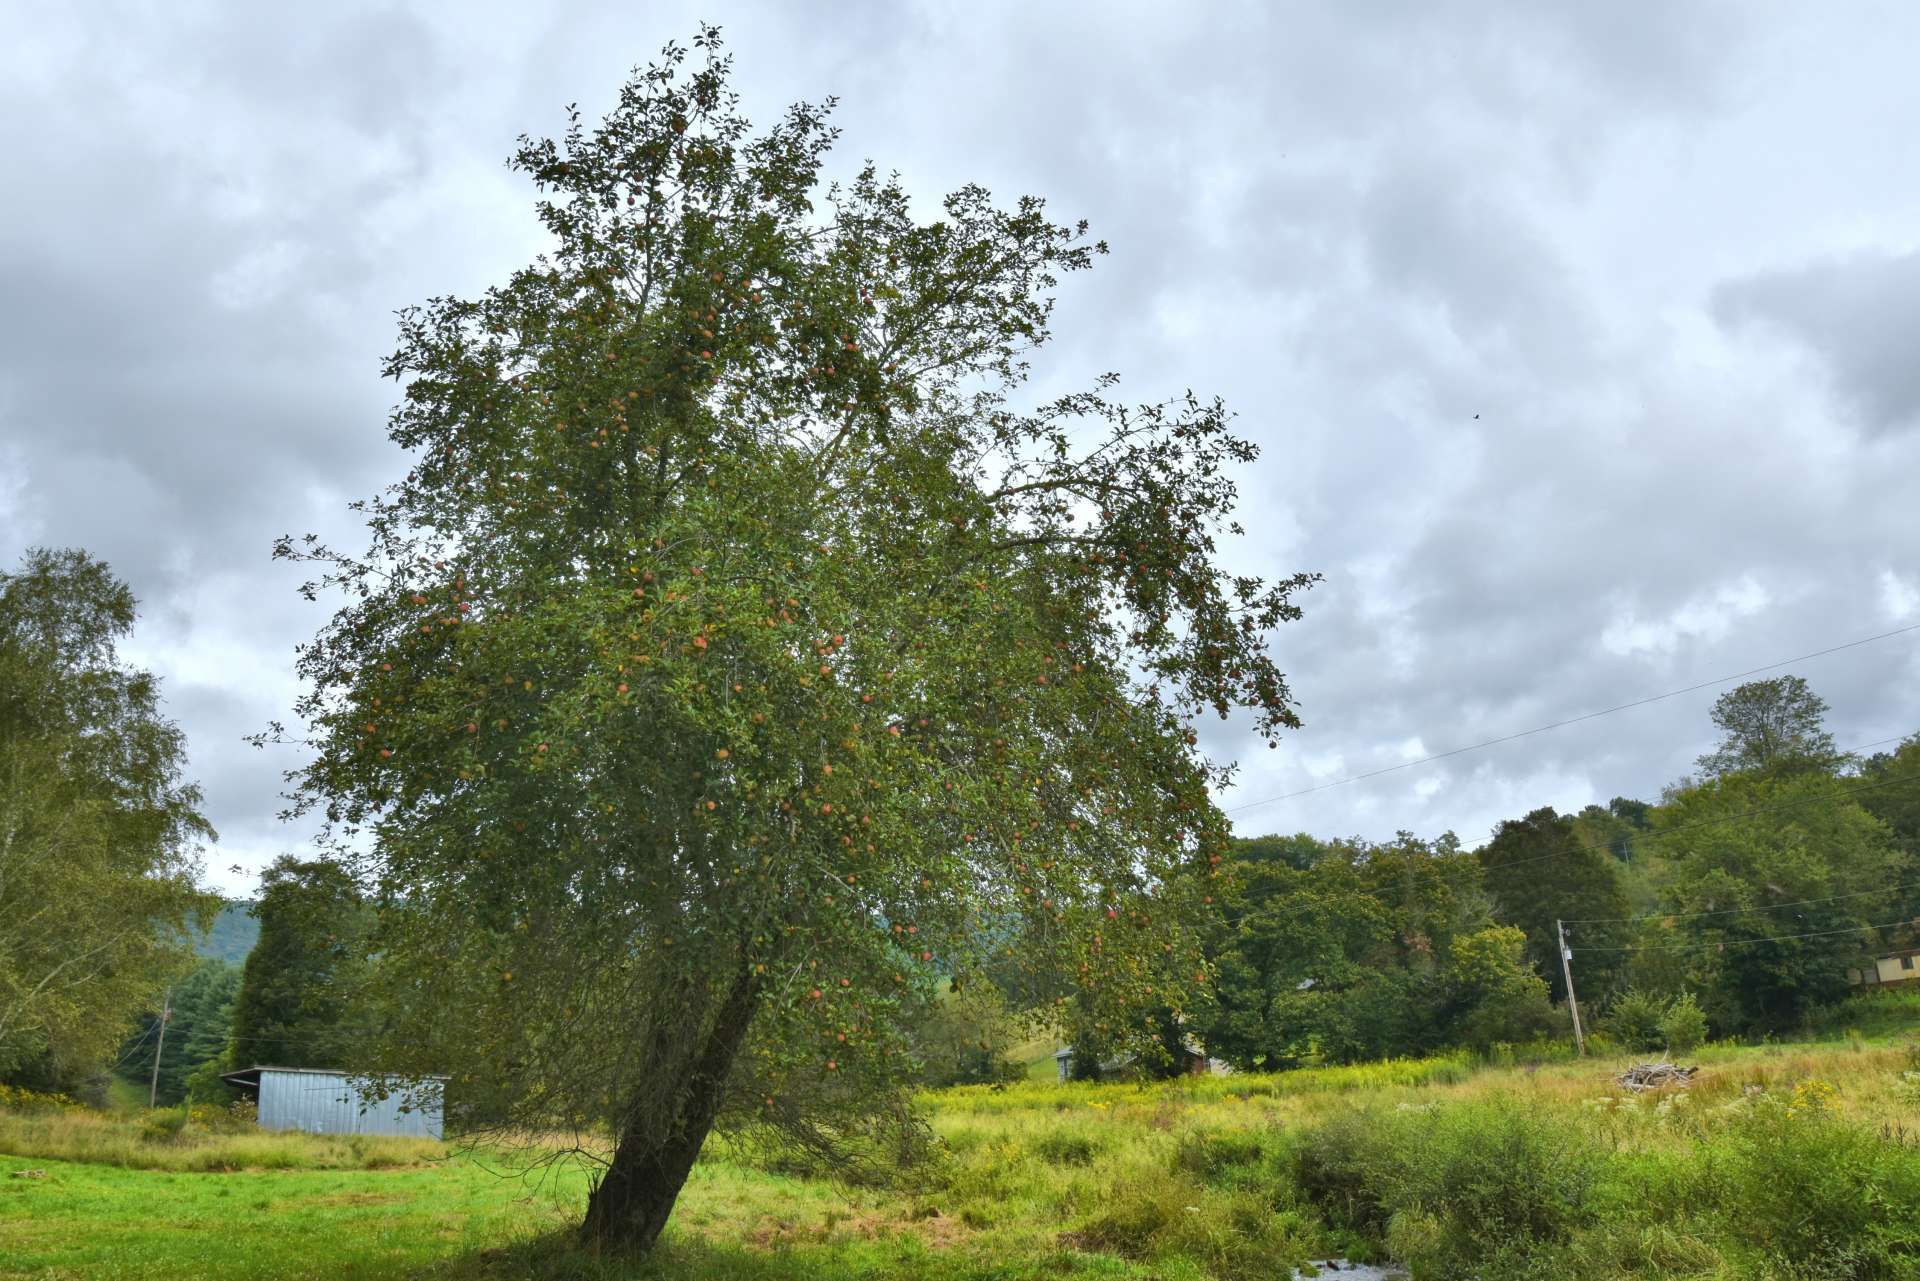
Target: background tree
x=1632 y=812
x=966 y=1037
x=1737 y=847
x=295 y=1006
x=1348 y=957
x=1299 y=851
x=99 y=834
x=1538 y=870
x=736 y=651
x=197 y=1031
x=1890 y=791
x=1498 y=994
x=1776 y=724
x=1604 y=828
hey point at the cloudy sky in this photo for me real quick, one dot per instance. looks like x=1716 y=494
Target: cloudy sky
x=1580 y=339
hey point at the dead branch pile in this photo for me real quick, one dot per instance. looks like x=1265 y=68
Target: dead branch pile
x=1656 y=1076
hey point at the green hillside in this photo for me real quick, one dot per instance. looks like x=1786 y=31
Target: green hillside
x=231 y=935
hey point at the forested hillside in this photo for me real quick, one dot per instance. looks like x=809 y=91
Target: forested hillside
x=230 y=935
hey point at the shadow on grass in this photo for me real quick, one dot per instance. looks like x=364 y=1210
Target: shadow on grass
x=559 y=1257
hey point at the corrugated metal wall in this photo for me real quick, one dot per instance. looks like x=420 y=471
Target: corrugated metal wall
x=332 y=1103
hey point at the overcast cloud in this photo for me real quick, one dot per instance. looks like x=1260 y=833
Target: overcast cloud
x=1579 y=338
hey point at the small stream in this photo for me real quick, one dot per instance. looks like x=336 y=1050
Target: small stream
x=1351 y=1271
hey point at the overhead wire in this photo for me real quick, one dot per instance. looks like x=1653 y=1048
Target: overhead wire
x=1735 y=911
x=1742 y=942
x=1575 y=846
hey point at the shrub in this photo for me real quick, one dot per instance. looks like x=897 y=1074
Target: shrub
x=204 y=1085
x=17 y=1098
x=164 y=1125
x=1067 y=1147
x=1802 y=1188
x=1454 y=1190
x=1634 y=1021
x=1683 y=1026
x=1332 y=1170
x=1229 y=1235
x=1493 y=1174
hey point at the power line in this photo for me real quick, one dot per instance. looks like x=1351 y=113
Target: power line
x=1576 y=846
x=134 y=1048
x=1733 y=911
x=1572 y=720
x=1776 y=938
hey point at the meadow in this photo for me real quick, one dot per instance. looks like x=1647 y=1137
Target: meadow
x=1781 y=1161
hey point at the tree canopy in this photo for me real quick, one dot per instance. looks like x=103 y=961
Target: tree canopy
x=740 y=660
x=1540 y=872
x=1739 y=846
x=1354 y=950
x=295 y=1005
x=99 y=830
x=1777 y=724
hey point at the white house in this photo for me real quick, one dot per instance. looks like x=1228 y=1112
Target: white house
x=1894 y=967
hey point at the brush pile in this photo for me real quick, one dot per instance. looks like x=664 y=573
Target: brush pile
x=1656 y=1076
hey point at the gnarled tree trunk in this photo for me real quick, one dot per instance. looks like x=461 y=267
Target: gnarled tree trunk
x=653 y=1155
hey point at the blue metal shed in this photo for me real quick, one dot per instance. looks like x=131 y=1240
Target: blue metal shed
x=328 y=1102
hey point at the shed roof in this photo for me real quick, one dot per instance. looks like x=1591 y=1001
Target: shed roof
x=248 y=1078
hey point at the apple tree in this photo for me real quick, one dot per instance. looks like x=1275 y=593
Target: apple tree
x=741 y=660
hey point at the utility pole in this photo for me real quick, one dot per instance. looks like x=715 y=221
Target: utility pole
x=166 y=1012
x=1566 y=971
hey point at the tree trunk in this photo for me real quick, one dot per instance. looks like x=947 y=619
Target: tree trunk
x=628 y=1208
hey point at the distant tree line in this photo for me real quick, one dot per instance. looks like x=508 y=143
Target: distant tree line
x=1745 y=893
x=295 y=1002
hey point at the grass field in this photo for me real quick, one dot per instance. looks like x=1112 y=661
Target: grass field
x=1782 y=1161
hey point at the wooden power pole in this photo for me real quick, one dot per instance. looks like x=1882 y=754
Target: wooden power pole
x=1566 y=972
x=166 y=1012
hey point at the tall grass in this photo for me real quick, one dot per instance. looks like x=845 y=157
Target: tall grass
x=166 y=1140
x=1780 y=1162
x=1028 y=1095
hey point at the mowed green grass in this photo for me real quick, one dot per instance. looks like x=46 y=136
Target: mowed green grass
x=459 y=1218
x=101 y=1221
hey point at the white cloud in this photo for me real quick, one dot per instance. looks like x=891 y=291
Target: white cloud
x=1534 y=311
x=1899 y=596
x=1702 y=618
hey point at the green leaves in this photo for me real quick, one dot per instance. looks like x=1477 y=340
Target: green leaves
x=99 y=833
x=733 y=633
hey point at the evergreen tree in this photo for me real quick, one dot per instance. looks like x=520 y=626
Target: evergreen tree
x=198 y=1029
x=296 y=991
